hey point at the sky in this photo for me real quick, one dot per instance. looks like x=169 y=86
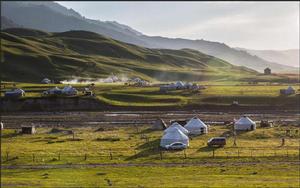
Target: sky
x=252 y=25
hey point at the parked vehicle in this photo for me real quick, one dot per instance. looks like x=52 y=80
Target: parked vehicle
x=217 y=141
x=176 y=145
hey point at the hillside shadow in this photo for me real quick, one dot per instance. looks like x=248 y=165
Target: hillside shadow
x=147 y=149
x=208 y=149
x=150 y=144
x=11 y=135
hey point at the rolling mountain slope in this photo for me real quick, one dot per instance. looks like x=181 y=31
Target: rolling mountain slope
x=30 y=55
x=52 y=17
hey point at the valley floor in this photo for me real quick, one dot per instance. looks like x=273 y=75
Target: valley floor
x=222 y=175
x=119 y=149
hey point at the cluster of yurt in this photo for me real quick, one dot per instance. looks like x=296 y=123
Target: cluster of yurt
x=178 y=133
x=180 y=85
x=139 y=82
x=67 y=90
x=244 y=124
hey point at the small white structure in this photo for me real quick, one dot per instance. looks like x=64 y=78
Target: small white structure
x=179 y=85
x=195 y=126
x=69 y=90
x=174 y=135
x=159 y=124
x=53 y=91
x=195 y=86
x=46 y=81
x=15 y=93
x=188 y=85
x=289 y=91
x=2 y=126
x=244 y=124
x=176 y=125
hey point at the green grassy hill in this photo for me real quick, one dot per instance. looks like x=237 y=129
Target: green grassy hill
x=30 y=55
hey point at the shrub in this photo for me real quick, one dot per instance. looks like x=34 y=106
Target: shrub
x=110 y=139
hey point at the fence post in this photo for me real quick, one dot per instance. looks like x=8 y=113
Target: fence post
x=110 y=154
x=213 y=153
x=184 y=154
x=33 y=157
x=85 y=157
x=238 y=153
x=287 y=153
x=59 y=156
x=7 y=153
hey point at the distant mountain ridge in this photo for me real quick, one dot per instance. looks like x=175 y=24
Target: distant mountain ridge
x=52 y=17
x=7 y=23
x=285 y=57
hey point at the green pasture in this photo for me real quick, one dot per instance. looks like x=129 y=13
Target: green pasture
x=129 y=144
x=120 y=95
x=259 y=175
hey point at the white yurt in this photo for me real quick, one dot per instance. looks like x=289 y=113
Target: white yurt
x=244 y=124
x=179 y=85
x=172 y=86
x=188 y=85
x=174 y=135
x=196 y=126
x=20 y=91
x=176 y=125
x=54 y=90
x=290 y=90
x=69 y=90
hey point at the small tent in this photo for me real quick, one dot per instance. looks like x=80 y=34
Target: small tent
x=290 y=90
x=2 y=126
x=174 y=135
x=244 y=124
x=53 y=91
x=177 y=126
x=46 y=81
x=15 y=93
x=69 y=90
x=179 y=85
x=159 y=124
x=196 y=126
x=188 y=85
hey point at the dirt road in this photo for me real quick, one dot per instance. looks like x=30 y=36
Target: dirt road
x=61 y=166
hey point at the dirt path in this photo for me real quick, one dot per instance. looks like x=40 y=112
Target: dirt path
x=60 y=166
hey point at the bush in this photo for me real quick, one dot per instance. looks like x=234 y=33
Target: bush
x=110 y=139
